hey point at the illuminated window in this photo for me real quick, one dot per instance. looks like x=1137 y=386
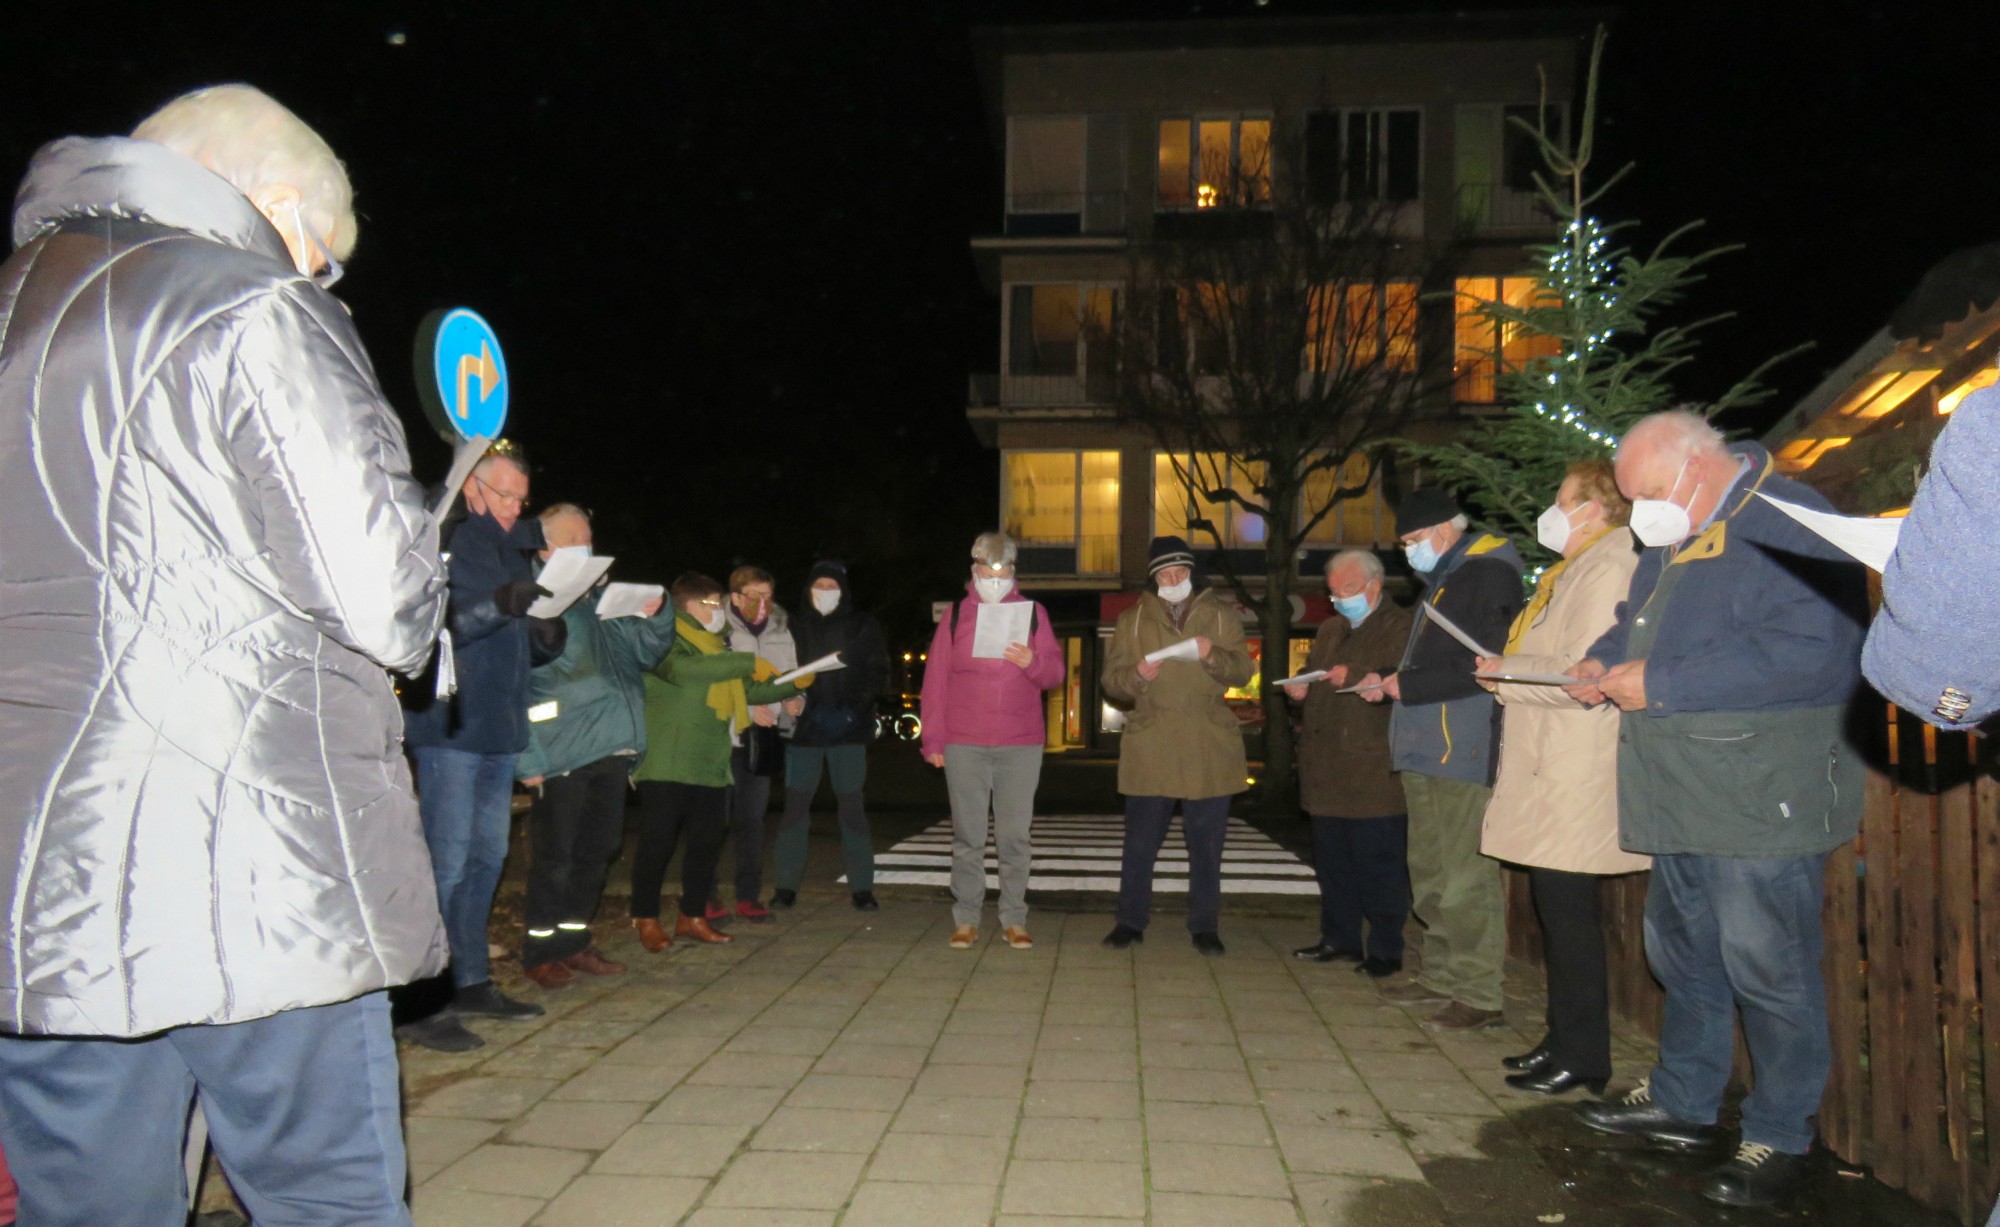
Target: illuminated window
x=1212 y=162
x=1351 y=327
x=1359 y=519
x=1486 y=347
x=1062 y=329
x=1358 y=156
x=1055 y=501
x=1181 y=513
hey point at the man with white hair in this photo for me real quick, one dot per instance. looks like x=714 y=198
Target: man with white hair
x=1733 y=661
x=212 y=860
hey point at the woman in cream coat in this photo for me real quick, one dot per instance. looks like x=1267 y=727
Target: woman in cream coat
x=1555 y=803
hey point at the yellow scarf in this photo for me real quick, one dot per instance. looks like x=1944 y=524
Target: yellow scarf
x=727 y=699
x=1545 y=591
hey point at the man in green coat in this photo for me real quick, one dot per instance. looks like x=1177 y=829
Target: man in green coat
x=1182 y=742
x=697 y=700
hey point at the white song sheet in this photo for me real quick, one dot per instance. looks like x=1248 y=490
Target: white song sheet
x=1001 y=624
x=1186 y=649
x=627 y=600
x=1530 y=679
x=1869 y=539
x=568 y=574
x=1451 y=628
x=825 y=664
x=1302 y=679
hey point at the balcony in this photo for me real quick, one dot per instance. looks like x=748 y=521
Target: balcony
x=1007 y=391
x=1496 y=209
x=1065 y=214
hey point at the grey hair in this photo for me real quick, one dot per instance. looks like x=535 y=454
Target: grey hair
x=1678 y=433
x=995 y=549
x=556 y=511
x=1461 y=522
x=487 y=462
x=1371 y=566
x=250 y=139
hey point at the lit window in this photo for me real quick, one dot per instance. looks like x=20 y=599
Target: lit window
x=1063 y=500
x=1351 y=327
x=1214 y=162
x=1043 y=330
x=1487 y=347
x=1359 y=519
x=1181 y=513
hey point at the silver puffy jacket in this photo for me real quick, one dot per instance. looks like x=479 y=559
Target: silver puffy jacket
x=213 y=551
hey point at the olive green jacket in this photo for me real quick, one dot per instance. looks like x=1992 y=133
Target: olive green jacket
x=1182 y=740
x=686 y=742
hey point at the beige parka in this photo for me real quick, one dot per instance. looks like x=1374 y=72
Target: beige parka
x=1182 y=740
x=1555 y=802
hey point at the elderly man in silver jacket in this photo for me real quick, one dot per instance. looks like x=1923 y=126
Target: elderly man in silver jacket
x=215 y=554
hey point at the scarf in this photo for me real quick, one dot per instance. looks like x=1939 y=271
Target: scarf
x=726 y=699
x=1545 y=591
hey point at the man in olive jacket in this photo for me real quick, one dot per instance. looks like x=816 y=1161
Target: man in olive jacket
x=1444 y=735
x=1346 y=781
x=1182 y=742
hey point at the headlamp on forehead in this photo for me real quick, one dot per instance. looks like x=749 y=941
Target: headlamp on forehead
x=995 y=567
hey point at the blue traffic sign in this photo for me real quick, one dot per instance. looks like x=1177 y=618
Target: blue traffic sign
x=462 y=374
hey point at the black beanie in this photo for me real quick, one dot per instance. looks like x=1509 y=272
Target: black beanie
x=1164 y=552
x=1426 y=508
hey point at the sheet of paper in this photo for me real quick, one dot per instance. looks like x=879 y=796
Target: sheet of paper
x=1357 y=688
x=1001 y=624
x=568 y=574
x=825 y=664
x=1869 y=539
x=1186 y=649
x=1302 y=679
x=463 y=461
x=1530 y=679
x=627 y=600
x=1451 y=628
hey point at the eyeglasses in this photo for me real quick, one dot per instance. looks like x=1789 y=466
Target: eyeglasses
x=501 y=496
x=713 y=602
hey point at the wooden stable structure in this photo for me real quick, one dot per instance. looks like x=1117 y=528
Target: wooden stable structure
x=1912 y=927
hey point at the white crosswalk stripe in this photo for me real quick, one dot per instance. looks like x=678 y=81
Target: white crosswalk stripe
x=1080 y=852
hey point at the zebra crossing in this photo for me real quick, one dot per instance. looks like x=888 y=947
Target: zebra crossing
x=1080 y=852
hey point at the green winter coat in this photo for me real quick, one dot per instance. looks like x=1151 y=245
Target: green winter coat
x=588 y=703
x=685 y=740
x=1182 y=740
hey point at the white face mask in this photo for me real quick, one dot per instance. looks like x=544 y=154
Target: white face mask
x=1661 y=521
x=326 y=277
x=1553 y=528
x=826 y=600
x=1174 y=594
x=715 y=620
x=992 y=588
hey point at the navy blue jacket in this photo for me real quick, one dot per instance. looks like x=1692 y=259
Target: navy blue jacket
x=1770 y=619
x=489 y=714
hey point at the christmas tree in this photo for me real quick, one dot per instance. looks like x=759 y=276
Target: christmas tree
x=1605 y=361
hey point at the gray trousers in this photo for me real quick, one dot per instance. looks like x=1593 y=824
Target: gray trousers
x=1004 y=778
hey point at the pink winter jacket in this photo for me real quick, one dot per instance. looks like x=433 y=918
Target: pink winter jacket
x=986 y=702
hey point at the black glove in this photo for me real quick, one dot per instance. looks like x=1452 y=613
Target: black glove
x=546 y=639
x=514 y=599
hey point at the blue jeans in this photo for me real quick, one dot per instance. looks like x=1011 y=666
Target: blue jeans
x=466 y=800
x=1725 y=931
x=302 y=1109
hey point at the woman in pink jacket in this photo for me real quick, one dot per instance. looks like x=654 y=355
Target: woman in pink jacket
x=982 y=716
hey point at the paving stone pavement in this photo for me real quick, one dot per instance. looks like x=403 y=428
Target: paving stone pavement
x=840 y=1067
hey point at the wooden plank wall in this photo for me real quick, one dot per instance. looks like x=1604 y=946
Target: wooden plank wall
x=1912 y=968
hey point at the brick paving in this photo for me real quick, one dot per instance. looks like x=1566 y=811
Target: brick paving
x=839 y=1067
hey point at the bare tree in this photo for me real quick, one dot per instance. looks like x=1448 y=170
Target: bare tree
x=1273 y=342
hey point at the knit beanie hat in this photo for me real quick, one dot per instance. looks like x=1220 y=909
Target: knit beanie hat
x=1426 y=508
x=1164 y=552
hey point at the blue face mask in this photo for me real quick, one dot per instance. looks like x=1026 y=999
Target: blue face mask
x=1423 y=556
x=1353 y=608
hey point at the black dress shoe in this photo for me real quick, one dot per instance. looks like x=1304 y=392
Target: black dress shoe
x=784 y=898
x=1324 y=952
x=1209 y=944
x=1122 y=936
x=1636 y=1115
x=864 y=901
x=1379 y=969
x=1528 y=1062
x=1546 y=1079
x=1757 y=1176
x=482 y=1000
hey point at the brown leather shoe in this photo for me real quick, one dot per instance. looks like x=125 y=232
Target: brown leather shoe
x=963 y=936
x=591 y=963
x=651 y=935
x=1017 y=937
x=699 y=929
x=550 y=976
x=1458 y=1016
x=1412 y=992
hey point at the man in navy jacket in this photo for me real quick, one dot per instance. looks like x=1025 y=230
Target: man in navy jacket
x=1734 y=659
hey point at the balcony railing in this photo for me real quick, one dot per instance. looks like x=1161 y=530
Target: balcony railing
x=1037 y=391
x=1065 y=214
x=1495 y=208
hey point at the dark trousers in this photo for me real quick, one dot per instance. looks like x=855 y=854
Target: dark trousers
x=749 y=801
x=1579 y=1016
x=1360 y=863
x=302 y=1107
x=1204 y=824
x=666 y=809
x=575 y=828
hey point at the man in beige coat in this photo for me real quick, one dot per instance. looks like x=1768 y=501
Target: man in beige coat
x=1555 y=803
x=1182 y=742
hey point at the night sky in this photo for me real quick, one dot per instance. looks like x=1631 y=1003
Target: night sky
x=726 y=244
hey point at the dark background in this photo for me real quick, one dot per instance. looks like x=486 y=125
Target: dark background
x=726 y=244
